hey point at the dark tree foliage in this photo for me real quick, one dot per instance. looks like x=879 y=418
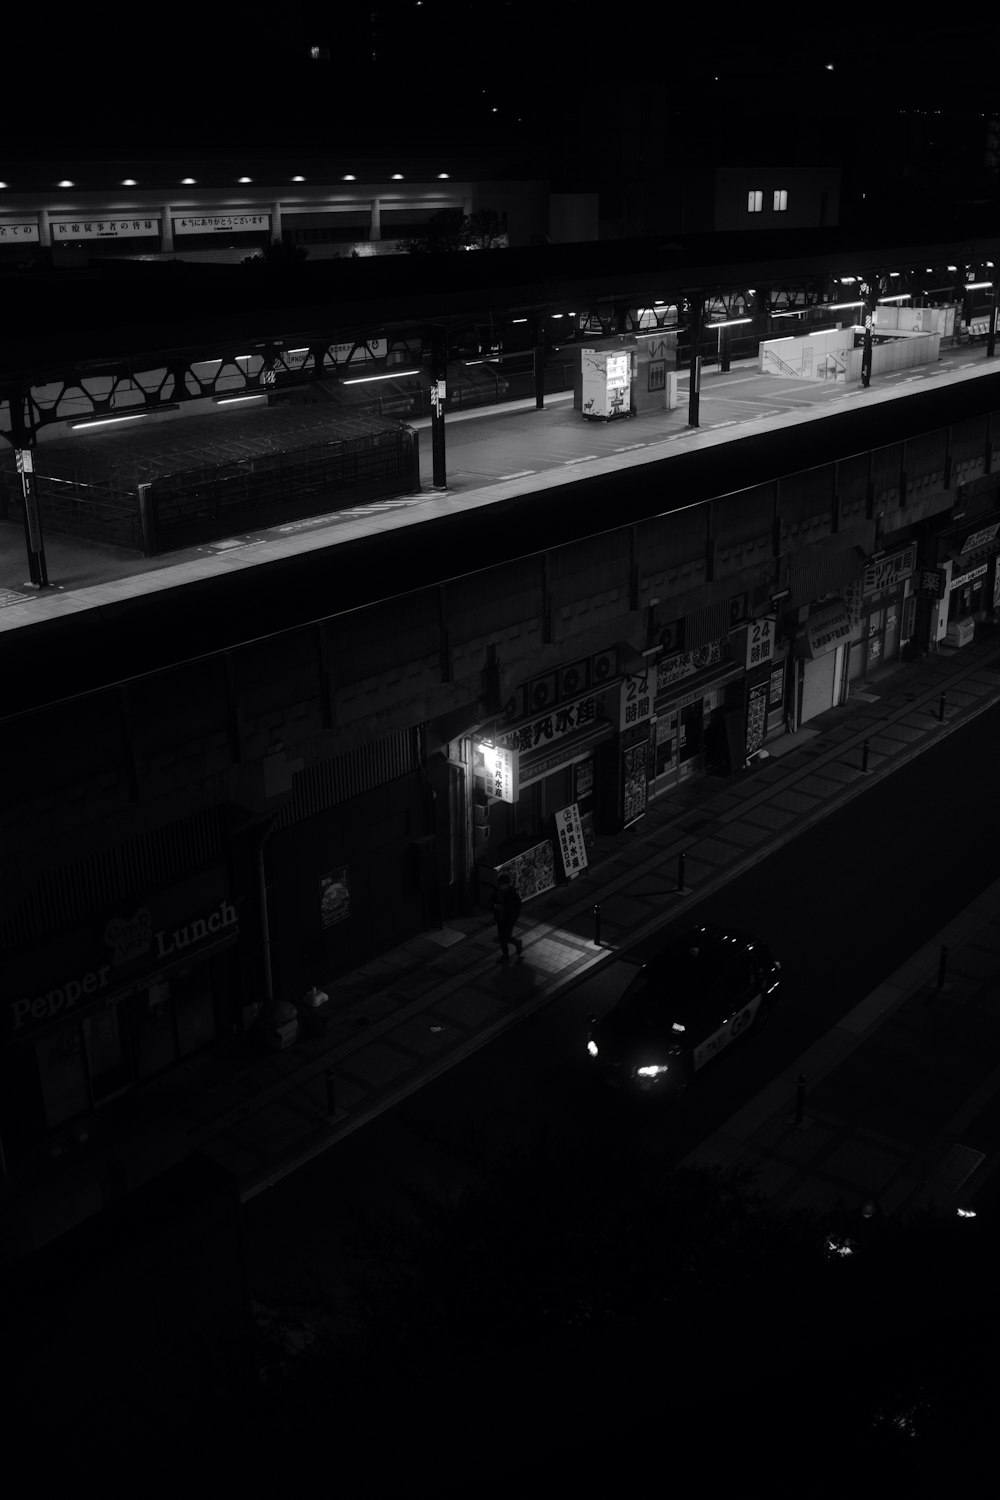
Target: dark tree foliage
x=278 y=255
x=451 y=230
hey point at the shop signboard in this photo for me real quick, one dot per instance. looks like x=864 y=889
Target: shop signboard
x=584 y=777
x=554 y=725
x=889 y=571
x=569 y=833
x=980 y=538
x=827 y=629
x=958 y=579
x=635 y=704
x=931 y=583
x=681 y=664
x=776 y=694
x=501 y=773
x=996 y=588
x=334 y=897
x=135 y=949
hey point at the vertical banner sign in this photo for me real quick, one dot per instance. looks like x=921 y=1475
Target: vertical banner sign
x=569 y=832
x=501 y=772
x=756 y=717
x=633 y=783
x=636 y=700
x=760 y=642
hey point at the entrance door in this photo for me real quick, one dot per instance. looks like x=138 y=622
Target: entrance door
x=891 y=646
x=689 y=739
x=107 y=1053
x=876 y=637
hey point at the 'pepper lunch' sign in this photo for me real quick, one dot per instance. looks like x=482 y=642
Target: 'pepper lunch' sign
x=554 y=725
x=130 y=939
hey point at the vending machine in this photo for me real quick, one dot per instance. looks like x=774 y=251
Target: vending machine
x=607 y=383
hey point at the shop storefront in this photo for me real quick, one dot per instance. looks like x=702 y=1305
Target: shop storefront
x=688 y=704
x=876 y=603
x=117 y=1001
x=819 y=653
x=534 y=778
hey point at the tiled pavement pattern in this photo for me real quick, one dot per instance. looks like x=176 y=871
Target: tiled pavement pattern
x=416 y=1011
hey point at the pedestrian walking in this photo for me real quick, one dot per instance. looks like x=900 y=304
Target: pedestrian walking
x=506 y=909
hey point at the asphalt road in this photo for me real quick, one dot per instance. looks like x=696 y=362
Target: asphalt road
x=843 y=906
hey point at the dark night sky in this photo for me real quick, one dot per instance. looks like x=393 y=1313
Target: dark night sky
x=488 y=73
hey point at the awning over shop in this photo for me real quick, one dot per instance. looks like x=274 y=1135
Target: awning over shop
x=826 y=575
x=825 y=630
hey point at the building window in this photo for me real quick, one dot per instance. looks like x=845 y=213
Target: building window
x=780 y=200
x=755 y=200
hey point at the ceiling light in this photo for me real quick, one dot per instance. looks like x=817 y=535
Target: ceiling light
x=349 y=177
x=443 y=177
x=187 y=182
x=397 y=176
x=246 y=179
x=298 y=179
x=65 y=183
x=129 y=182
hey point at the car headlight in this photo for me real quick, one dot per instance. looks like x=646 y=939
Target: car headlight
x=592 y=1047
x=651 y=1070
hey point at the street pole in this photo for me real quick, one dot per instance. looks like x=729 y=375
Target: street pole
x=538 y=362
x=37 y=569
x=439 y=370
x=694 y=390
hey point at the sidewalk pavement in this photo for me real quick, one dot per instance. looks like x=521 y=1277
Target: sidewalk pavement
x=413 y=1013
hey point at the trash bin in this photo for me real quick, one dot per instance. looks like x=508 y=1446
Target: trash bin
x=279 y=1026
x=314 y=1012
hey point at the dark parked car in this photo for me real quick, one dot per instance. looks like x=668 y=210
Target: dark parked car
x=700 y=992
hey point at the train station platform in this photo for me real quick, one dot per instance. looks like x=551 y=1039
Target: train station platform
x=494 y=454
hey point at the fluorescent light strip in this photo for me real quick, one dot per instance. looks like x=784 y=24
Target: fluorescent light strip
x=134 y=416
x=232 y=400
x=395 y=374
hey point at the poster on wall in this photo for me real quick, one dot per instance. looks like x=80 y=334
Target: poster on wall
x=335 y=897
x=634 y=783
x=570 y=836
x=533 y=871
x=756 y=717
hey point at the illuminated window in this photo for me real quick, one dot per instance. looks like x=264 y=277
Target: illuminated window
x=780 y=200
x=755 y=201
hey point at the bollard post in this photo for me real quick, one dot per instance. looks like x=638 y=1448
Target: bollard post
x=331 y=1107
x=942 y=966
x=941 y=707
x=864 y=758
x=800 y=1099
x=597 y=926
x=680 y=872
